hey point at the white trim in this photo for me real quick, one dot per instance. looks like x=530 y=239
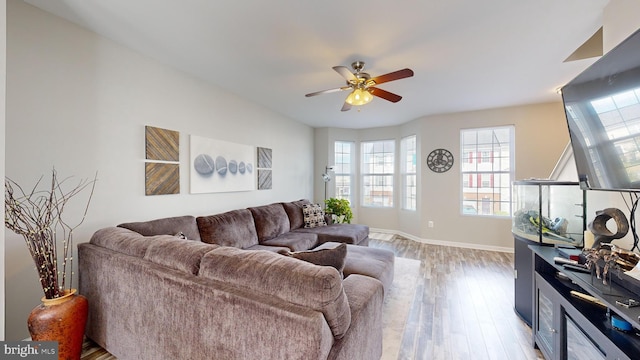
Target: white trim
x=445 y=243
x=567 y=154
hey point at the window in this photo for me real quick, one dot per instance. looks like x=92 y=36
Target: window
x=377 y=173
x=408 y=165
x=343 y=170
x=488 y=170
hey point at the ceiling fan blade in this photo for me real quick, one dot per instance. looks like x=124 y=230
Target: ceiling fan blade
x=345 y=72
x=328 y=91
x=385 y=94
x=396 y=75
x=346 y=107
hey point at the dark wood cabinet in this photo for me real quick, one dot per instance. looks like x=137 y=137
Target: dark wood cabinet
x=523 y=279
x=568 y=327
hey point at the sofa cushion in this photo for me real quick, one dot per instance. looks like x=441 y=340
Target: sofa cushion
x=294 y=212
x=166 y=226
x=233 y=228
x=297 y=282
x=334 y=256
x=178 y=254
x=267 y=248
x=372 y=262
x=271 y=221
x=294 y=241
x=345 y=233
x=313 y=216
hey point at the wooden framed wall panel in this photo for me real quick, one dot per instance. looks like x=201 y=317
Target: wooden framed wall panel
x=162 y=164
x=162 y=178
x=162 y=144
x=265 y=162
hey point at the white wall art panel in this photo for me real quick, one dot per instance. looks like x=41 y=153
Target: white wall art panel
x=221 y=166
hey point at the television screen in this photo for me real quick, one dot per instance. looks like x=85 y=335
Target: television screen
x=602 y=107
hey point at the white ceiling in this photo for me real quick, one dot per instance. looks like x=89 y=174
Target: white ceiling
x=466 y=54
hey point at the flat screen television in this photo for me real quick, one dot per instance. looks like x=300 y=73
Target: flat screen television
x=602 y=107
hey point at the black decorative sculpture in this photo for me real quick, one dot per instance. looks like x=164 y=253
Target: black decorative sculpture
x=599 y=226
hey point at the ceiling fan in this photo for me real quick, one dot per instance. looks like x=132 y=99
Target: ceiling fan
x=363 y=86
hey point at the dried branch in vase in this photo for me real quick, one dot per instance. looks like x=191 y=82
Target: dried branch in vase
x=37 y=216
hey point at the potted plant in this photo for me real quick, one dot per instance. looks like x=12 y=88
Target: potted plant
x=339 y=209
x=36 y=215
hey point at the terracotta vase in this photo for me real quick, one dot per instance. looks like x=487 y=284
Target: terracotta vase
x=63 y=320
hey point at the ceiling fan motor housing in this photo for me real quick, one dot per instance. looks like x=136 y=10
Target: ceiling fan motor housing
x=357 y=66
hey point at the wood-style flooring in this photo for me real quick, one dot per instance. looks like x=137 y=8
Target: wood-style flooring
x=463 y=307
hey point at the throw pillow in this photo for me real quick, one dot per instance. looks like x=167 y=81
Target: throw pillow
x=335 y=257
x=313 y=215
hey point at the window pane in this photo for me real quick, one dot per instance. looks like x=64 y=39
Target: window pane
x=377 y=190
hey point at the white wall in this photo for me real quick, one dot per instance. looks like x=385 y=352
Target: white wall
x=80 y=102
x=620 y=19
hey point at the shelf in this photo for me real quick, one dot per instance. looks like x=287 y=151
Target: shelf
x=595 y=314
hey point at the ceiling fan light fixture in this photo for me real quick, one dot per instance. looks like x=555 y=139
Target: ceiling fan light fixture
x=359 y=97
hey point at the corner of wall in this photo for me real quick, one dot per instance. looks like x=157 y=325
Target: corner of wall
x=620 y=19
x=3 y=82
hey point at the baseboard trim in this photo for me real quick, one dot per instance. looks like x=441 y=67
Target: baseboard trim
x=444 y=243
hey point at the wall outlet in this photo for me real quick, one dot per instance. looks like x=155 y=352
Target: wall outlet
x=430 y=224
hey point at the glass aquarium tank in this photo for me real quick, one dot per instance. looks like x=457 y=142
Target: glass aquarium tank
x=549 y=212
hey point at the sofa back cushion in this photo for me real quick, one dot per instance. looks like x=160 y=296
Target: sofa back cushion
x=294 y=212
x=271 y=221
x=233 y=228
x=166 y=226
x=126 y=241
x=292 y=280
x=178 y=254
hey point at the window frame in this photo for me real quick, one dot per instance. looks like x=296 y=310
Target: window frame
x=380 y=176
x=409 y=191
x=339 y=169
x=477 y=171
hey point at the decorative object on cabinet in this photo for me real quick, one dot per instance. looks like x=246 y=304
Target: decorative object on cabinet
x=599 y=226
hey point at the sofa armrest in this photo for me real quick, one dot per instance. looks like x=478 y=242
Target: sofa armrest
x=364 y=338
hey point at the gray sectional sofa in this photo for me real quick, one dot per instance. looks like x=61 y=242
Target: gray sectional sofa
x=215 y=287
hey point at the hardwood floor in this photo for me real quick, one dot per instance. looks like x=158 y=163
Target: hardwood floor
x=463 y=307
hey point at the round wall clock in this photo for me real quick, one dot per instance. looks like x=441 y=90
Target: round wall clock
x=440 y=160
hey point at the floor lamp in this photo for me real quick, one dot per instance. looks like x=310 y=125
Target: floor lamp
x=326 y=178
